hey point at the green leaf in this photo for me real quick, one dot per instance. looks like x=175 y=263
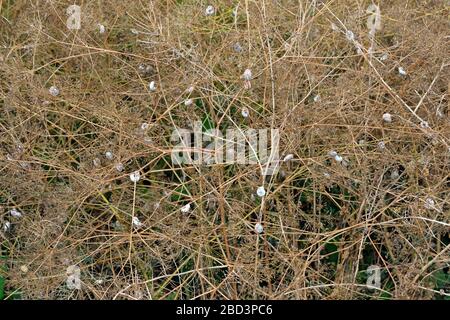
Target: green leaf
x=207 y=123
x=331 y=250
x=441 y=279
x=2 y=278
x=2 y=288
x=179 y=193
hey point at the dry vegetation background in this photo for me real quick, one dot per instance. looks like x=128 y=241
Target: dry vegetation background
x=325 y=222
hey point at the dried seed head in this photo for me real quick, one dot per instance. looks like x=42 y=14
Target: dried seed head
x=332 y=153
x=261 y=192
x=54 y=91
x=73 y=269
x=334 y=27
x=135 y=176
x=259 y=228
x=245 y=113
x=401 y=71
x=6 y=226
x=288 y=157
x=387 y=117
x=15 y=213
x=247 y=75
x=237 y=47
x=424 y=125
x=210 y=10
x=152 y=86
x=144 y=126
x=190 y=89
x=96 y=162
x=188 y=102
x=186 y=208
x=429 y=204
x=119 y=167
x=109 y=155
x=136 y=222
x=350 y=35
x=101 y=28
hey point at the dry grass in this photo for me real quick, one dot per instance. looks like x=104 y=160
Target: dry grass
x=324 y=222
